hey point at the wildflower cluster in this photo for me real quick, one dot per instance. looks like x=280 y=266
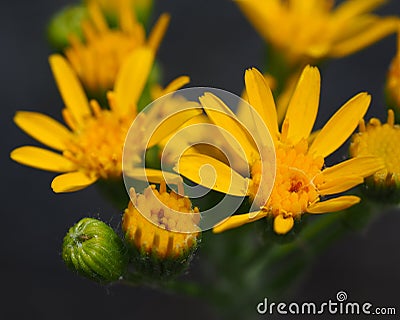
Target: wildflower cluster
x=264 y=150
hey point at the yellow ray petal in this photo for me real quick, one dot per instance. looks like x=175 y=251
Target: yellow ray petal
x=43 y=128
x=258 y=12
x=301 y=6
x=303 y=105
x=342 y=124
x=72 y=181
x=223 y=117
x=132 y=78
x=351 y=8
x=283 y=225
x=97 y=16
x=172 y=123
x=158 y=31
x=237 y=221
x=70 y=88
x=359 y=166
x=153 y=175
x=213 y=174
x=340 y=185
x=127 y=19
x=260 y=97
x=333 y=205
x=378 y=30
x=42 y=159
x=176 y=84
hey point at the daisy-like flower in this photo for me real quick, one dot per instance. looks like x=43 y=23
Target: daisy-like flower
x=380 y=140
x=393 y=77
x=108 y=45
x=92 y=145
x=306 y=31
x=301 y=180
x=162 y=228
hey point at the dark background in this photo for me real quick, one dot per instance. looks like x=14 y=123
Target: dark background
x=212 y=42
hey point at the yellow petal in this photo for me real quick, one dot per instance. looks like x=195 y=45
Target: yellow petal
x=72 y=181
x=333 y=205
x=283 y=225
x=70 y=88
x=42 y=159
x=303 y=105
x=378 y=30
x=212 y=174
x=43 y=128
x=261 y=12
x=158 y=32
x=359 y=166
x=172 y=123
x=132 y=78
x=302 y=7
x=97 y=16
x=153 y=175
x=339 y=185
x=176 y=84
x=224 y=118
x=342 y=124
x=237 y=221
x=349 y=9
x=260 y=97
x=127 y=21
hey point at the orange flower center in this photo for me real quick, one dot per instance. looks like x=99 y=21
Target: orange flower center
x=296 y=180
x=97 y=147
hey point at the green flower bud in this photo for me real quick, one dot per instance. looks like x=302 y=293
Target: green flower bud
x=92 y=249
x=64 y=23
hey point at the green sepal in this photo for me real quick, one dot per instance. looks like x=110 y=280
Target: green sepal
x=382 y=191
x=152 y=267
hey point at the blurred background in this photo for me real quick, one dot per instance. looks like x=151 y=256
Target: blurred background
x=210 y=41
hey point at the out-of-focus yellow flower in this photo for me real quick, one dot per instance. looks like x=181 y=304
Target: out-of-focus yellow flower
x=91 y=148
x=97 y=60
x=301 y=179
x=380 y=140
x=112 y=7
x=393 y=78
x=306 y=31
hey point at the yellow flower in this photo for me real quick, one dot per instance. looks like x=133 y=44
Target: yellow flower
x=380 y=140
x=301 y=179
x=91 y=148
x=112 y=7
x=97 y=60
x=305 y=31
x=161 y=223
x=393 y=78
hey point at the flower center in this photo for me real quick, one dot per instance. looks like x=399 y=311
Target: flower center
x=297 y=175
x=381 y=141
x=97 y=147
